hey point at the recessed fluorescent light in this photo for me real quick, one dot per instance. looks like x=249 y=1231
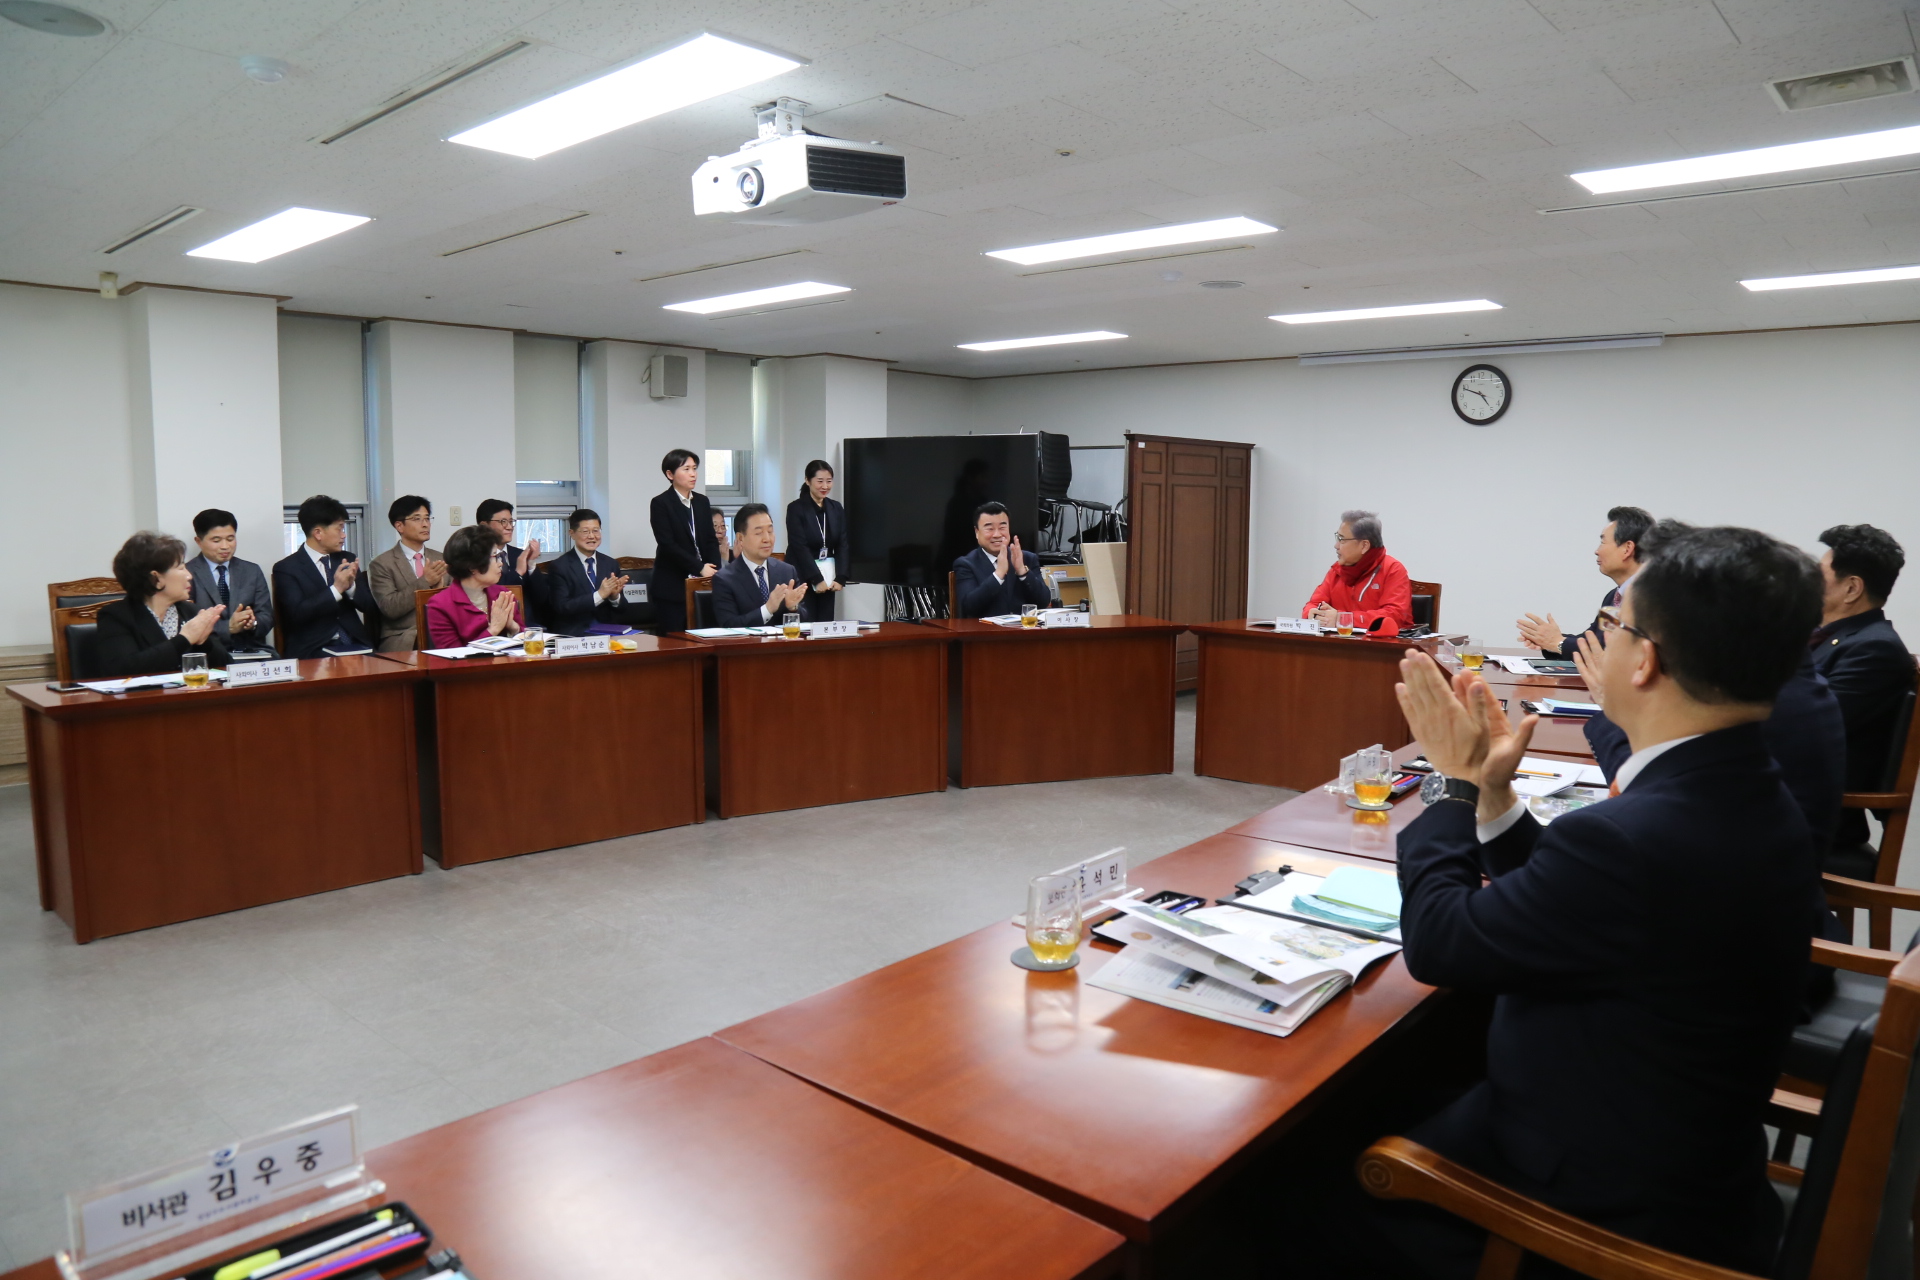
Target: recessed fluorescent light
x=1834 y=277
x=1052 y=340
x=1745 y=164
x=1375 y=313
x=284 y=232
x=757 y=297
x=704 y=67
x=1126 y=241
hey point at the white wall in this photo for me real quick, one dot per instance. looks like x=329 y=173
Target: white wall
x=443 y=403
x=925 y=404
x=1787 y=432
x=729 y=401
x=67 y=440
x=630 y=432
x=546 y=408
x=323 y=410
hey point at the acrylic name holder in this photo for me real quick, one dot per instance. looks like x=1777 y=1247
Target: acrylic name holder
x=1296 y=626
x=634 y=593
x=272 y=671
x=165 y=1220
x=835 y=630
x=1065 y=618
x=1102 y=876
x=574 y=646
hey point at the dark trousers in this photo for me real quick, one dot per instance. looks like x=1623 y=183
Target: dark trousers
x=818 y=606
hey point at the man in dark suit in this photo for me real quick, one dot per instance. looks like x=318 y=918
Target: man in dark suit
x=221 y=577
x=1619 y=556
x=996 y=577
x=325 y=602
x=516 y=563
x=755 y=589
x=583 y=587
x=1867 y=665
x=1646 y=952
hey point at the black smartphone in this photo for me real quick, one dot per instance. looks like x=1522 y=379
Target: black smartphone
x=66 y=688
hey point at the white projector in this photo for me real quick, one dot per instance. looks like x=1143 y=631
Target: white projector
x=788 y=177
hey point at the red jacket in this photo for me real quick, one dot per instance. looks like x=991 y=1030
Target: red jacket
x=452 y=620
x=1382 y=593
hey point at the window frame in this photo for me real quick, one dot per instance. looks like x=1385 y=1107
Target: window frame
x=738 y=493
x=356 y=528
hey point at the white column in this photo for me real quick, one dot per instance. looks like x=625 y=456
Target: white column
x=443 y=422
x=625 y=433
x=204 y=388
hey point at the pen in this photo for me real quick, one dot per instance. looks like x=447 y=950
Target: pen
x=350 y=1261
x=264 y=1264
x=365 y=1237
x=1533 y=773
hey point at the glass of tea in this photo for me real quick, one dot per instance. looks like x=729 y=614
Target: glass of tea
x=534 y=643
x=194 y=667
x=1473 y=654
x=1373 y=777
x=1029 y=615
x=1053 y=917
x=790 y=625
x=1343 y=623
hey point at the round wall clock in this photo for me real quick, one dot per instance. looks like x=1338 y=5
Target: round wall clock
x=1481 y=394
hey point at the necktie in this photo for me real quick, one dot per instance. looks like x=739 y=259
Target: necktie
x=419 y=565
x=761 y=574
x=226 y=596
x=593 y=579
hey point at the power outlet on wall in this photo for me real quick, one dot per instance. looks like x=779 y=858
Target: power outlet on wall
x=455 y=511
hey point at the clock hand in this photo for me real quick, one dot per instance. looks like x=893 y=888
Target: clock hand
x=1481 y=395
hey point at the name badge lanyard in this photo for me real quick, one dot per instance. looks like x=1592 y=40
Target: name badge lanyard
x=825 y=556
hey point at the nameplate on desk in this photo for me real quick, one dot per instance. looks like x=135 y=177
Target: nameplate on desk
x=836 y=630
x=272 y=671
x=634 y=593
x=574 y=646
x=1296 y=626
x=1100 y=877
x=1065 y=618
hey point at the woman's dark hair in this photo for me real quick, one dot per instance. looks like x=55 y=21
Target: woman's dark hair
x=1872 y=555
x=142 y=556
x=1708 y=584
x=814 y=468
x=469 y=549
x=676 y=459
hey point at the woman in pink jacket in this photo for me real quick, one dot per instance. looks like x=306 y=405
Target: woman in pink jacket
x=474 y=604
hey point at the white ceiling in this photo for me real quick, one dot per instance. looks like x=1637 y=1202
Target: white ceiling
x=1404 y=146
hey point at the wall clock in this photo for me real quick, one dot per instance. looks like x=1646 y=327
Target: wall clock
x=1481 y=394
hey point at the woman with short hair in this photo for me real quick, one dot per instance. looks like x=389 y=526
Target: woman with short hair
x=474 y=604
x=148 y=631
x=683 y=542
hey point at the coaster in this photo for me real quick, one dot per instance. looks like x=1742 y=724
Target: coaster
x=1369 y=808
x=1024 y=957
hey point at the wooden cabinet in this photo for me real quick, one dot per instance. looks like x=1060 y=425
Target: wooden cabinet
x=1187 y=511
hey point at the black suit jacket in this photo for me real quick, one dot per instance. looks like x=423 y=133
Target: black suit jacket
x=131 y=643
x=679 y=550
x=980 y=596
x=804 y=542
x=568 y=602
x=1868 y=667
x=736 y=596
x=1805 y=737
x=1646 y=955
x=309 y=614
x=1570 y=644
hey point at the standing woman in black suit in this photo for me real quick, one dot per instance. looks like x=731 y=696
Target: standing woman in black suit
x=683 y=542
x=146 y=631
x=816 y=540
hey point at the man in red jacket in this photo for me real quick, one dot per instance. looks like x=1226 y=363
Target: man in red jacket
x=1364 y=581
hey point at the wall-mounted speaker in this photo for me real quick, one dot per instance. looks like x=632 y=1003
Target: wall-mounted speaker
x=667 y=377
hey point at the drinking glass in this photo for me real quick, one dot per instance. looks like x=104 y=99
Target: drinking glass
x=790 y=625
x=1053 y=917
x=1373 y=777
x=194 y=667
x=1343 y=623
x=1473 y=654
x=534 y=643
x=1029 y=615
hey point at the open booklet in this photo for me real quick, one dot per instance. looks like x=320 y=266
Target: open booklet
x=1254 y=969
x=172 y=680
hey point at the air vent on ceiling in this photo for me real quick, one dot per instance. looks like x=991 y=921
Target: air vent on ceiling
x=409 y=97
x=171 y=218
x=1221 y=284
x=857 y=173
x=1851 y=85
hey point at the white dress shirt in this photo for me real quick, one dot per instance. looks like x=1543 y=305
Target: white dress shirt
x=1621 y=781
x=318 y=558
x=753 y=568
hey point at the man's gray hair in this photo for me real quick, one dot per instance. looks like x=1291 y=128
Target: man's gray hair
x=1363 y=524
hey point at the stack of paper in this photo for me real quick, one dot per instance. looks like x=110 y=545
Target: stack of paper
x=173 y=681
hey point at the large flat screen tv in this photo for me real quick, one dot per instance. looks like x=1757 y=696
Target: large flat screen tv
x=910 y=501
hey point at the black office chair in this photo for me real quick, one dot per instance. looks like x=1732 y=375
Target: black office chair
x=703 y=609
x=83 y=651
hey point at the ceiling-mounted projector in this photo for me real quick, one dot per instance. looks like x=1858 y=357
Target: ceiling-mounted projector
x=790 y=177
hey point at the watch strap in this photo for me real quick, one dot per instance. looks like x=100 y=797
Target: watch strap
x=1460 y=789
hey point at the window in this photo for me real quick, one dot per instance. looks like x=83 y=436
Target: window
x=548 y=524
x=729 y=475
x=356 y=530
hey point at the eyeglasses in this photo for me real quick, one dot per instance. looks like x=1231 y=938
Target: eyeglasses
x=1644 y=636
x=1337 y=539
x=498 y=521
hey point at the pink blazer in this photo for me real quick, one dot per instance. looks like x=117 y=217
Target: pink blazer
x=453 y=621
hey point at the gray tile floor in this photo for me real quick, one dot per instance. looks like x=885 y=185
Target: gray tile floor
x=427 y=998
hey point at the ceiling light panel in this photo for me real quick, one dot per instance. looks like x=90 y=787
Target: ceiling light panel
x=1381 y=313
x=1793 y=156
x=704 y=67
x=284 y=232
x=1874 y=276
x=757 y=297
x=1052 y=340
x=1127 y=241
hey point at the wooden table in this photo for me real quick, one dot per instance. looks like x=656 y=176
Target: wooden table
x=1282 y=710
x=164 y=805
x=1316 y=820
x=812 y=722
x=623 y=735
x=1049 y=704
x=1028 y=1074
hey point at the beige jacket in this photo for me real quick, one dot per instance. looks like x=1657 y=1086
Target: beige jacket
x=391 y=576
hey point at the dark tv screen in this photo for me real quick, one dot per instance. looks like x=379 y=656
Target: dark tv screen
x=910 y=501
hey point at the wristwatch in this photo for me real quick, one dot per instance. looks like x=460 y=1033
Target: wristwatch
x=1460 y=789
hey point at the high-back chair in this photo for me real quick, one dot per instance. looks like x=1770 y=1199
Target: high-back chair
x=1893 y=805
x=1851 y=1216
x=699 y=602
x=423 y=594
x=1426 y=603
x=71 y=609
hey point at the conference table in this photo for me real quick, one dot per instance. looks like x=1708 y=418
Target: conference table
x=806 y=722
x=1049 y=704
x=155 y=806
x=623 y=731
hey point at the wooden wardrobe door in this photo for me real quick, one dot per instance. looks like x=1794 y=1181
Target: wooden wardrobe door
x=1187 y=506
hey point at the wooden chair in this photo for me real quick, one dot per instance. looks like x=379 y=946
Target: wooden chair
x=636 y=564
x=1895 y=805
x=423 y=594
x=84 y=615
x=1431 y=592
x=1832 y=1229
